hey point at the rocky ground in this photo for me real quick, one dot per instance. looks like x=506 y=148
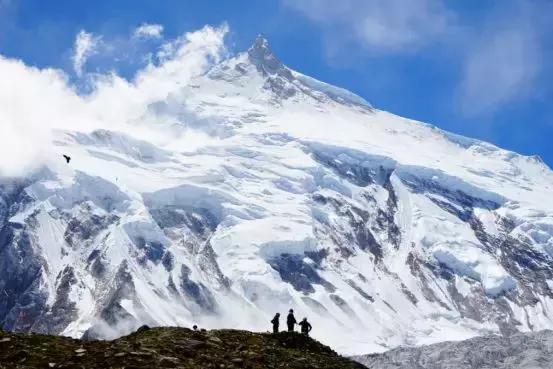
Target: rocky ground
x=171 y=348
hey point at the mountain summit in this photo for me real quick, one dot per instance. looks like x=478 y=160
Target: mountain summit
x=286 y=193
x=263 y=58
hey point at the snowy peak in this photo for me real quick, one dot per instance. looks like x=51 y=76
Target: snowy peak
x=261 y=43
x=278 y=191
x=261 y=55
x=261 y=76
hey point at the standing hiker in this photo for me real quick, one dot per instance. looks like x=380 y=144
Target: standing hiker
x=276 y=322
x=305 y=327
x=291 y=320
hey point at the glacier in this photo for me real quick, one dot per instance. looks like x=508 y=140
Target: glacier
x=382 y=230
x=518 y=351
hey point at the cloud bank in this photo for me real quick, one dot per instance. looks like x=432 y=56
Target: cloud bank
x=45 y=100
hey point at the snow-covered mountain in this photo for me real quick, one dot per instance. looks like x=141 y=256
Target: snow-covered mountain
x=382 y=230
x=519 y=351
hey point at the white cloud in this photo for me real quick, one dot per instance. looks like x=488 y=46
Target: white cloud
x=44 y=100
x=501 y=68
x=148 y=31
x=86 y=45
x=383 y=25
x=500 y=53
x=503 y=62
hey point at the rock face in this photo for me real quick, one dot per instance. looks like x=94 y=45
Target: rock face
x=383 y=231
x=519 y=351
x=172 y=348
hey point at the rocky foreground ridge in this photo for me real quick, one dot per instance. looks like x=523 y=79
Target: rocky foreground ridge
x=171 y=348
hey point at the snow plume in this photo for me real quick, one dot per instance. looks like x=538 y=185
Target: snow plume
x=148 y=31
x=35 y=102
x=86 y=45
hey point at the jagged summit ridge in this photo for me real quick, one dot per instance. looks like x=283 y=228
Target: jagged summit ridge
x=261 y=55
x=289 y=84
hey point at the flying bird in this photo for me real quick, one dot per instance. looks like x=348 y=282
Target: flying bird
x=67 y=158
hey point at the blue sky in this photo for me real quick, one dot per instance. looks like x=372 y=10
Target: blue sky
x=478 y=68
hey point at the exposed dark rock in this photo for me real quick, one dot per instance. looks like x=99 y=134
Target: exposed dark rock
x=87 y=226
x=97 y=265
x=302 y=276
x=168 y=261
x=142 y=328
x=342 y=304
x=63 y=311
x=21 y=302
x=199 y=221
x=153 y=250
x=123 y=288
x=197 y=292
x=317 y=256
x=409 y=294
x=359 y=290
x=361 y=235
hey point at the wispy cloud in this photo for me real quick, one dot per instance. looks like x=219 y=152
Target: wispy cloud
x=501 y=68
x=86 y=45
x=45 y=101
x=498 y=55
x=147 y=30
x=503 y=61
x=381 y=25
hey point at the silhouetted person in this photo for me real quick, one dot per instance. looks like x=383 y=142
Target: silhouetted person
x=305 y=327
x=276 y=322
x=291 y=321
x=195 y=327
x=67 y=158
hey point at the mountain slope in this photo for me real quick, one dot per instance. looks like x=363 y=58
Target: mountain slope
x=520 y=351
x=296 y=194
